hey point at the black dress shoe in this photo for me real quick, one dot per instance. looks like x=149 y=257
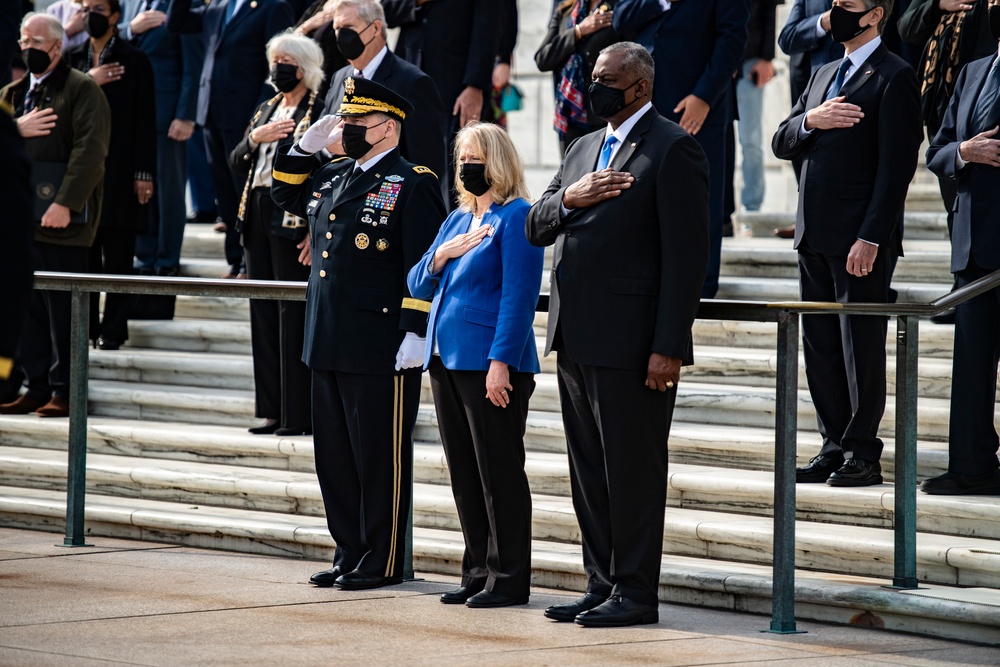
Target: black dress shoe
x=857 y=472
x=105 y=344
x=359 y=581
x=819 y=469
x=484 y=599
x=326 y=578
x=459 y=595
x=618 y=611
x=292 y=430
x=568 y=612
x=957 y=484
x=270 y=426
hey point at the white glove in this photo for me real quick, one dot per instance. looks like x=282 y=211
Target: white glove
x=319 y=134
x=411 y=351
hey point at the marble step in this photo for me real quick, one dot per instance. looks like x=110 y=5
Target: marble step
x=971 y=614
x=746 y=288
x=737 y=366
x=196 y=335
x=695 y=444
x=201 y=242
x=297 y=492
x=212 y=308
x=925 y=261
x=917 y=224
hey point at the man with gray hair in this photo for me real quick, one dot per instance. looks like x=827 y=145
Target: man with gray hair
x=361 y=39
x=628 y=216
x=67 y=151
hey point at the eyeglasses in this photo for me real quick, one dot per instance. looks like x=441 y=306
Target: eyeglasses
x=36 y=42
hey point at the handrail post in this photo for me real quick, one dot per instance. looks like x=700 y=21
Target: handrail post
x=785 y=442
x=76 y=472
x=905 y=515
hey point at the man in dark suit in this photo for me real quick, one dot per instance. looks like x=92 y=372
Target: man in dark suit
x=631 y=247
x=370 y=219
x=456 y=43
x=176 y=62
x=966 y=151
x=857 y=129
x=423 y=140
x=697 y=47
x=232 y=85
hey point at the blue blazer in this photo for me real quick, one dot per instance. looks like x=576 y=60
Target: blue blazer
x=484 y=301
x=233 y=75
x=176 y=61
x=697 y=47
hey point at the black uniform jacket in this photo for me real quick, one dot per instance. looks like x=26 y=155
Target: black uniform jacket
x=365 y=235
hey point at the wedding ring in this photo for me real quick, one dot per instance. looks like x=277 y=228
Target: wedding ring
x=670 y=384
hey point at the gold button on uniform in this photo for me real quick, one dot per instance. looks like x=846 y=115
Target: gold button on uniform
x=333 y=216
x=325 y=254
x=329 y=235
x=385 y=310
x=322 y=274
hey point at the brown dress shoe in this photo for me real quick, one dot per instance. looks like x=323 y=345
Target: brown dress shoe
x=785 y=232
x=57 y=407
x=22 y=406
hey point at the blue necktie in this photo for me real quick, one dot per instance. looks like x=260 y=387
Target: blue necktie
x=230 y=8
x=984 y=117
x=606 y=150
x=838 y=81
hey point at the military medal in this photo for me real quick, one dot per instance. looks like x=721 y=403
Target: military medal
x=381 y=245
x=361 y=241
x=386 y=196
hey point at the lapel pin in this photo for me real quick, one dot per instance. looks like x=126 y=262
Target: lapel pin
x=868 y=72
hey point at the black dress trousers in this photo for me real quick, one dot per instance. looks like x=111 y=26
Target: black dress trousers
x=363 y=444
x=277 y=328
x=616 y=433
x=484 y=445
x=845 y=354
x=972 y=434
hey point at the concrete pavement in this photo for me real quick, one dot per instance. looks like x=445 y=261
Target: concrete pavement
x=140 y=603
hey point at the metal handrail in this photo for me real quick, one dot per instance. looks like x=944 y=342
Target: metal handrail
x=785 y=314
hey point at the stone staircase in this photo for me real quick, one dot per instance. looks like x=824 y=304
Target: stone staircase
x=170 y=460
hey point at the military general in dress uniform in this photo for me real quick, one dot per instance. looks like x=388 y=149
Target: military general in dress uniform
x=371 y=217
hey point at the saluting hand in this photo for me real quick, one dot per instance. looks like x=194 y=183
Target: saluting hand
x=833 y=114
x=595 y=187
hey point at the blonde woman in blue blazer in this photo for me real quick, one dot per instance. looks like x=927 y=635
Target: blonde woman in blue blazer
x=484 y=278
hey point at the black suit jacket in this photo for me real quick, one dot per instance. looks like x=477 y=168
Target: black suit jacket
x=629 y=270
x=854 y=180
x=454 y=41
x=975 y=233
x=16 y=229
x=132 y=149
x=365 y=237
x=233 y=76
x=423 y=139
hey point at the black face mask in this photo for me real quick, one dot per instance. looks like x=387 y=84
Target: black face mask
x=285 y=77
x=356 y=146
x=36 y=60
x=844 y=24
x=349 y=42
x=96 y=24
x=605 y=102
x=473 y=177
x=994 y=15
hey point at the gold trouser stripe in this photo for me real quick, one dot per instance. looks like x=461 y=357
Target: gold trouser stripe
x=417 y=304
x=293 y=179
x=397 y=431
x=6 y=366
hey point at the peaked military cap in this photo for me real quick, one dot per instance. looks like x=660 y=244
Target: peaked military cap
x=364 y=96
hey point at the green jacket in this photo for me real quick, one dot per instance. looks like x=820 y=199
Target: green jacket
x=79 y=140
